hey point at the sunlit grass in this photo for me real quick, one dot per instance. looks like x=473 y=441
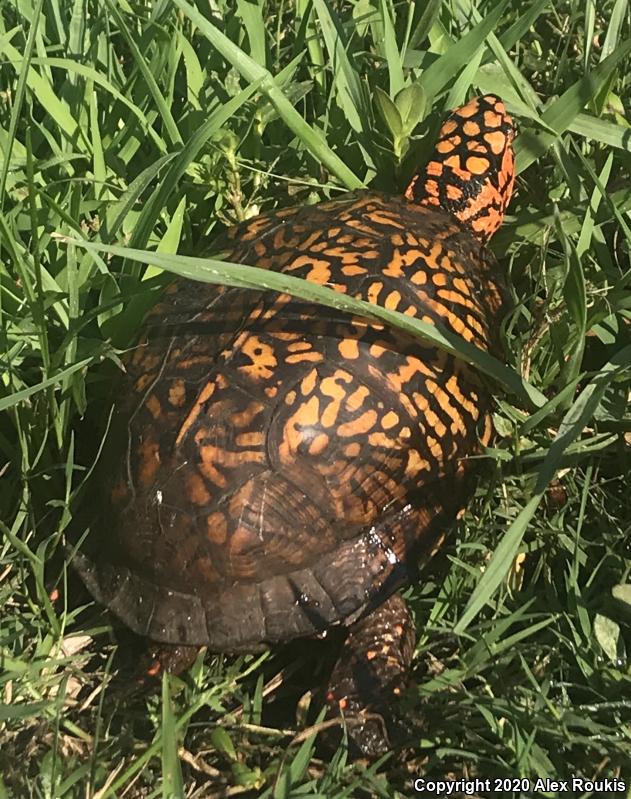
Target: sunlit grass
x=154 y=126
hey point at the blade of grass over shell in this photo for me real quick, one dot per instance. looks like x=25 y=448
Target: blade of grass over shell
x=210 y=270
x=574 y=422
x=312 y=139
x=509 y=707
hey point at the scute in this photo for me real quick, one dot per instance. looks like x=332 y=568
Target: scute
x=278 y=466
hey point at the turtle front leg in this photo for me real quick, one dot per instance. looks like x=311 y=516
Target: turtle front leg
x=371 y=672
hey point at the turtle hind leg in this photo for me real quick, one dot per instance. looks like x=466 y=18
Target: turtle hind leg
x=371 y=672
x=172 y=658
x=140 y=662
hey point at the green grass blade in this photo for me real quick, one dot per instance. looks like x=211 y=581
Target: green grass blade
x=74 y=68
x=251 y=71
x=252 y=15
x=19 y=396
x=194 y=72
x=315 y=48
x=210 y=270
x=521 y=26
x=575 y=420
x=614 y=28
x=76 y=34
x=563 y=112
x=438 y=74
x=98 y=158
x=170 y=242
x=172 y=781
x=24 y=710
x=512 y=82
x=396 y=78
x=607 y=133
x=119 y=210
x=575 y=296
x=158 y=98
x=38 y=307
x=19 y=96
x=346 y=84
x=615 y=211
x=587 y=228
x=42 y=89
x=429 y=15
x=558 y=400
x=186 y=155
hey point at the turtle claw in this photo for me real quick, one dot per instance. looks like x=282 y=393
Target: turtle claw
x=173 y=659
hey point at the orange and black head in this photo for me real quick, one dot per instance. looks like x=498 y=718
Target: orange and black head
x=472 y=170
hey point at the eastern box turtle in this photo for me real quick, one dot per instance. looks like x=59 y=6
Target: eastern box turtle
x=279 y=467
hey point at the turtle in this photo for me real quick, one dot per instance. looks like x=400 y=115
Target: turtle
x=277 y=468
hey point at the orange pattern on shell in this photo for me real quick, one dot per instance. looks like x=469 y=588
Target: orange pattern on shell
x=280 y=466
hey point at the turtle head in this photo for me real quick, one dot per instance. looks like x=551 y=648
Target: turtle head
x=472 y=169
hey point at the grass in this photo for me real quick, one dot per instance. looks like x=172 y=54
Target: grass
x=152 y=127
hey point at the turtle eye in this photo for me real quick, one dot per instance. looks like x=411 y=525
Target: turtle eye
x=471 y=172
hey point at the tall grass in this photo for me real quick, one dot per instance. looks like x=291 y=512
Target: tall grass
x=130 y=133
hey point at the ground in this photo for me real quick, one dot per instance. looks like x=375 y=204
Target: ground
x=156 y=125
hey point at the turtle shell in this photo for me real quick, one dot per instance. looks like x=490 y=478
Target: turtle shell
x=278 y=466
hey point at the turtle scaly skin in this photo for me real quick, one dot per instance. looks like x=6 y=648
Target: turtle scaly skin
x=280 y=467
